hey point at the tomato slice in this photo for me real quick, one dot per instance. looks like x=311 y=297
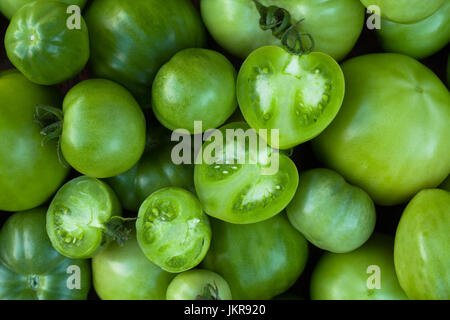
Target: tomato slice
x=78 y=214
x=241 y=192
x=172 y=229
x=299 y=95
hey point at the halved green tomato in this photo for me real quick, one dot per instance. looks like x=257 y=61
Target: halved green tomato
x=240 y=182
x=78 y=216
x=299 y=95
x=405 y=11
x=172 y=229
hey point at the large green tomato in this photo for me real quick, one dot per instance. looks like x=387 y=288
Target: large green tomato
x=172 y=229
x=124 y=273
x=103 y=131
x=335 y=25
x=195 y=85
x=30 y=172
x=31 y=269
x=367 y=273
x=332 y=214
x=131 y=40
x=39 y=43
x=241 y=180
x=405 y=11
x=297 y=95
x=422 y=246
x=155 y=170
x=198 y=284
x=420 y=39
x=9 y=7
x=258 y=260
x=392 y=134
x=78 y=217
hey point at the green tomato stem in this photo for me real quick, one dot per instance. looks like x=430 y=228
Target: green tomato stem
x=279 y=21
x=117 y=229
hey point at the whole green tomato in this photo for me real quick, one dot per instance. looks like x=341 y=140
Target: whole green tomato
x=172 y=229
x=39 y=43
x=31 y=269
x=195 y=85
x=332 y=214
x=299 y=95
x=9 y=7
x=30 y=171
x=391 y=136
x=155 y=170
x=422 y=246
x=103 y=129
x=405 y=11
x=420 y=39
x=122 y=272
x=258 y=260
x=131 y=40
x=335 y=25
x=198 y=284
x=366 y=273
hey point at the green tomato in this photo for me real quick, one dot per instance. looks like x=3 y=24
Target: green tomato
x=332 y=214
x=405 y=11
x=335 y=25
x=186 y=88
x=420 y=39
x=131 y=40
x=239 y=191
x=9 y=7
x=448 y=70
x=30 y=172
x=259 y=260
x=154 y=171
x=446 y=184
x=391 y=136
x=31 y=269
x=172 y=229
x=298 y=95
x=367 y=273
x=78 y=217
x=103 y=131
x=122 y=272
x=39 y=43
x=422 y=246
x=198 y=284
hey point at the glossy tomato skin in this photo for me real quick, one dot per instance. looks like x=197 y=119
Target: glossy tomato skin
x=298 y=95
x=347 y=276
x=155 y=170
x=420 y=39
x=259 y=260
x=422 y=246
x=243 y=192
x=39 y=43
x=124 y=273
x=10 y=7
x=31 y=269
x=31 y=173
x=195 y=85
x=145 y=34
x=331 y=214
x=405 y=11
x=198 y=284
x=391 y=136
x=103 y=130
x=335 y=25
